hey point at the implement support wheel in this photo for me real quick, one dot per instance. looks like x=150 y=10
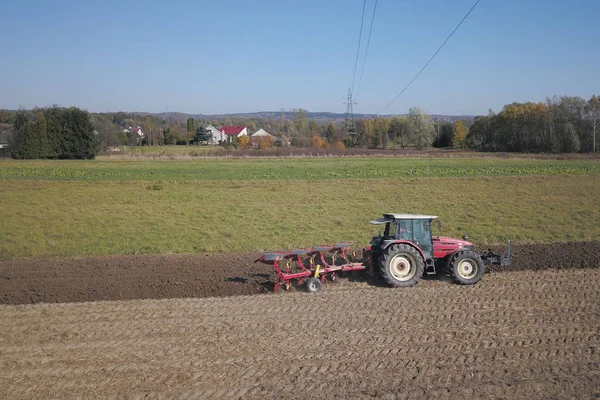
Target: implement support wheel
x=313 y=285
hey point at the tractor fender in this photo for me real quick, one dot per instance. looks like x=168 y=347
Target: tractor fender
x=388 y=243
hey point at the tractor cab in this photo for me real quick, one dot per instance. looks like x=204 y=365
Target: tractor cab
x=414 y=228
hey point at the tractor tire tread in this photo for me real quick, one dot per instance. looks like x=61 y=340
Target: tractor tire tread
x=461 y=255
x=394 y=250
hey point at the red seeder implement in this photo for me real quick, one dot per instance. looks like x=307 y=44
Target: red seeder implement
x=313 y=265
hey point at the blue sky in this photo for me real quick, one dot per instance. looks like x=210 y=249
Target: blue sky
x=230 y=56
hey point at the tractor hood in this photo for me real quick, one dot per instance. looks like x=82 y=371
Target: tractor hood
x=448 y=241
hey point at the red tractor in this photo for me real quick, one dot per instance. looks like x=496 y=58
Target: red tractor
x=404 y=252
x=407 y=250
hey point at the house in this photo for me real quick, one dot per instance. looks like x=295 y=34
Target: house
x=136 y=129
x=261 y=135
x=230 y=132
x=5 y=137
x=217 y=135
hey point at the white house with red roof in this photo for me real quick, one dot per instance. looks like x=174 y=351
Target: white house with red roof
x=136 y=129
x=217 y=135
x=234 y=131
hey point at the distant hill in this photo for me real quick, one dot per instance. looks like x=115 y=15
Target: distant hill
x=320 y=117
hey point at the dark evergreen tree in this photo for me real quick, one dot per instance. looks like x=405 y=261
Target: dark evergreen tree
x=203 y=136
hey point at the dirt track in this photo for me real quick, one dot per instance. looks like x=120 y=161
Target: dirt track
x=515 y=335
x=179 y=276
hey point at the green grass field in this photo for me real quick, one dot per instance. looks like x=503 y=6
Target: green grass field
x=70 y=208
x=285 y=169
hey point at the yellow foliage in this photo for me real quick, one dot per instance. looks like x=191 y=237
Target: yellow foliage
x=265 y=142
x=340 y=145
x=243 y=141
x=460 y=134
x=318 y=142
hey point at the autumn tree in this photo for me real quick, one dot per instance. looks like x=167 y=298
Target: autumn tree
x=265 y=142
x=460 y=135
x=318 y=142
x=243 y=141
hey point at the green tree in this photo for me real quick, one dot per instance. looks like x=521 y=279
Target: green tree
x=23 y=145
x=330 y=132
x=203 y=136
x=302 y=122
x=20 y=120
x=444 y=132
x=79 y=140
x=31 y=140
x=190 y=125
x=421 y=128
x=169 y=136
x=460 y=135
x=398 y=131
x=313 y=127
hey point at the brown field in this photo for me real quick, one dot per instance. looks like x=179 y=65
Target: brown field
x=520 y=334
x=531 y=330
x=59 y=280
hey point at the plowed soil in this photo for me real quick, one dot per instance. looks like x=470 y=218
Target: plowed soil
x=524 y=334
x=204 y=275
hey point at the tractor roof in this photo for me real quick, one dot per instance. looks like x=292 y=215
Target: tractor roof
x=391 y=217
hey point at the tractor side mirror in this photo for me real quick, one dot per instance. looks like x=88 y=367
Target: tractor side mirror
x=439 y=225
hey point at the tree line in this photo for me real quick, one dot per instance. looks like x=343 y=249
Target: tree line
x=559 y=125
x=64 y=133
x=565 y=124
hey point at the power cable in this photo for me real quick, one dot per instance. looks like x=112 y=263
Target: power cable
x=366 y=51
x=359 y=38
x=432 y=57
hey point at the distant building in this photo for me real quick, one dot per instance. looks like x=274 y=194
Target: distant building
x=217 y=135
x=5 y=137
x=234 y=131
x=260 y=135
x=136 y=129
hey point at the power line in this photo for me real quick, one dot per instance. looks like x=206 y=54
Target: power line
x=359 y=38
x=432 y=57
x=366 y=51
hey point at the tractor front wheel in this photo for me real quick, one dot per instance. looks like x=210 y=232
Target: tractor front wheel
x=401 y=265
x=467 y=267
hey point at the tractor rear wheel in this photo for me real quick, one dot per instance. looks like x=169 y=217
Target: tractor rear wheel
x=401 y=265
x=467 y=267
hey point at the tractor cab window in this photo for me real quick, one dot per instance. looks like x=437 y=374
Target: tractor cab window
x=390 y=229
x=405 y=230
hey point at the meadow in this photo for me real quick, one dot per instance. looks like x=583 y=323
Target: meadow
x=104 y=207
